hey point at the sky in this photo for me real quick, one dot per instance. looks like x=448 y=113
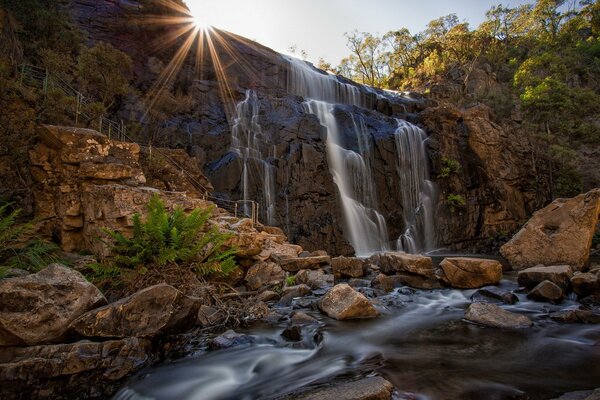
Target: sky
x=318 y=26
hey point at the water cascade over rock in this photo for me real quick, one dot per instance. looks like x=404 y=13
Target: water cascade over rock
x=250 y=143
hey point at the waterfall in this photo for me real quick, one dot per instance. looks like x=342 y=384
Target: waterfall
x=250 y=143
x=366 y=229
x=416 y=189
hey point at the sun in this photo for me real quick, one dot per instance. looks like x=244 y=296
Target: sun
x=199 y=18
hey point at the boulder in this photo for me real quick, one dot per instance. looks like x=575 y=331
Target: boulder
x=230 y=339
x=316 y=279
x=342 y=302
x=38 y=308
x=383 y=282
x=495 y=317
x=359 y=283
x=349 y=267
x=576 y=316
x=301 y=318
x=415 y=281
x=546 y=291
x=373 y=388
x=209 y=316
x=293 y=333
x=149 y=312
x=495 y=293
x=71 y=370
x=470 y=273
x=558 y=234
x=392 y=262
x=559 y=275
x=586 y=284
x=296 y=291
x=267 y=295
x=264 y=274
x=296 y=264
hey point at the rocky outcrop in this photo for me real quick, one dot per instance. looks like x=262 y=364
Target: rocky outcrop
x=76 y=370
x=560 y=233
x=38 y=308
x=155 y=310
x=495 y=317
x=470 y=273
x=342 y=302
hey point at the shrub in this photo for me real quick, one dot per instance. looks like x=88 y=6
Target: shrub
x=290 y=280
x=16 y=250
x=173 y=238
x=455 y=200
x=449 y=166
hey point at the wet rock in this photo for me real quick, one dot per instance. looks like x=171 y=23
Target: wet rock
x=209 y=316
x=316 y=279
x=359 y=283
x=586 y=284
x=38 y=308
x=559 y=274
x=75 y=370
x=342 y=302
x=268 y=295
x=591 y=300
x=296 y=291
x=415 y=281
x=296 y=264
x=264 y=274
x=558 y=234
x=546 y=291
x=230 y=339
x=293 y=332
x=390 y=263
x=470 y=273
x=496 y=294
x=349 y=267
x=383 y=282
x=581 y=395
x=493 y=316
x=301 y=318
x=576 y=317
x=374 y=388
x=149 y=312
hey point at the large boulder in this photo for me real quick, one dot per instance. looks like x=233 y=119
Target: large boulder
x=343 y=302
x=76 y=370
x=349 y=267
x=38 y=308
x=149 y=312
x=392 y=262
x=560 y=233
x=264 y=273
x=316 y=278
x=470 y=273
x=491 y=315
x=547 y=291
x=296 y=264
x=586 y=284
x=558 y=274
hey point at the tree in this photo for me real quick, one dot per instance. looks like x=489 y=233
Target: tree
x=368 y=58
x=105 y=73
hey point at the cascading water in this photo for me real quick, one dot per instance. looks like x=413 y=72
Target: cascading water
x=249 y=141
x=365 y=227
x=416 y=189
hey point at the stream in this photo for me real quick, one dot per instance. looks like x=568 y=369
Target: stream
x=420 y=344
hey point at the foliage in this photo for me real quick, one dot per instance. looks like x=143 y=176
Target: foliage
x=454 y=201
x=16 y=250
x=449 y=167
x=173 y=237
x=290 y=280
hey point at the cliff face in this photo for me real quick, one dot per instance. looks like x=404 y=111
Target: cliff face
x=495 y=177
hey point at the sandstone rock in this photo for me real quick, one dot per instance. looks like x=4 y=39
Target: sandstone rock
x=230 y=339
x=359 y=283
x=149 y=312
x=560 y=275
x=374 y=388
x=586 y=284
x=576 y=316
x=209 y=316
x=383 y=282
x=301 y=318
x=267 y=295
x=560 y=233
x=264 y=274
x=342 y=302
x=70 y=370
x=546 y=291
x=415 y=281
x=296 y=264
x=470 y=273
x=349 y=267
x=293 y=332
x=296 y=291
x=493 y=316
x=390 y=263
x=316 y=279
x=38 y=308
x=581 y=395
x=497 y=294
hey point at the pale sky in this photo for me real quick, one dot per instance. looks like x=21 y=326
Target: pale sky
x=318 y=26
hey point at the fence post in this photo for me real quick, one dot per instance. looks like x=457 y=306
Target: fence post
x=100 y=125
x=235 y=210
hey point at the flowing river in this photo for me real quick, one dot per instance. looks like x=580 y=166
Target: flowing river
x=420 y=343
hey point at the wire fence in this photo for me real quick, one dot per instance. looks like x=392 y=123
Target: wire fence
x=42 y=79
